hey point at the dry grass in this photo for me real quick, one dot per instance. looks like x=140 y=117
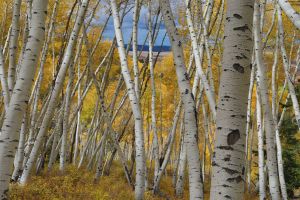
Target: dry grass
x=78 y=185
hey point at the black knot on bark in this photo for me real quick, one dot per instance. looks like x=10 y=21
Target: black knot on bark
x=238 y=68
x=233 y=137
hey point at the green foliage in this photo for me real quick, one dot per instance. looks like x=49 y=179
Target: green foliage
x=291 y=151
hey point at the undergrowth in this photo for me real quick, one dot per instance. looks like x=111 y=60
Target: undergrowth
x=77 y=184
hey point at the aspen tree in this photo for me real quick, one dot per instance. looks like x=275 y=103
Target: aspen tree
x=190 y=113
x=155 y=145
x=261 y=158
x=285 y=60
x=196 y=53
x=13 y=44
x=13 y=118
x=56 y=90
x=293 y=15
x=267 y=112
x=3 y=79
x=139 y=136
x=228 y=165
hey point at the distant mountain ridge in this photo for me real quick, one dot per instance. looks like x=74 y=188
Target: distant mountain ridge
x=155 y=48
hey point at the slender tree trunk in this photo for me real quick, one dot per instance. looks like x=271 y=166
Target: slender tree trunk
x=20 y=152
x=155 y=145
x=3 y=79
x=267 y=112
x=139 y=136
x=13 y=44
x=261 y=158
x=196 y=53
x=167 y=155
x=66 y=115
x=288 y=78
x=56 y=90
x=190 y=116
x=293 y=15
x=136 y=13
x=181 y=166
x=13 y=118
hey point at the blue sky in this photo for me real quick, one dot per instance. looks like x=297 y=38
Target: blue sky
x=127 y=27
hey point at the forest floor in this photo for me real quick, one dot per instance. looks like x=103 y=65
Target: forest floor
x=78 y=185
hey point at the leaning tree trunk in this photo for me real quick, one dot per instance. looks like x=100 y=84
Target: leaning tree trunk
x=155 y=145
x=3 y=79
x=139 y=137
x=196 y=53
x=191 y=138
x=13 y=44
x=181 y=166
x=56 y=90
x=267 y=112
x=261 y=157
x=9 y=137
x=293 y=15
x=228 y=166
x=288 y=77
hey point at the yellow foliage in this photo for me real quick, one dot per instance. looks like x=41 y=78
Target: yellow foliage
x=78 y=184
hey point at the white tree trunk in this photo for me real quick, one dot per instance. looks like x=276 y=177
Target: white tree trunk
x=261 y=157
x=68 y=101
x=13 y=44
x=136 y=13
x=139 y=136
x=267 y=112
x=155 y=145
x=292 y=93
x=3 y=79
x=18 y=164
x=293 y=15
x=228 y=165
x=288 y=77
x=167 y=155
x=196 y=53
x=181 y=166
x=13 y=118
x=56 y=90
x=190 y=118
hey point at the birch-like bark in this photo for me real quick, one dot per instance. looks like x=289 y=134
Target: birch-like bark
x=190 y=118
x=35 y=95
x=181 y=165
x=293 y=96
x=56 y=90
x=139 y=136
x=18 y=164
x=13 y=44
x=6 y=44
x=293 y=15
x=228 y=165
x=196 y=53
x=248 y=120
x=155 y=146
x=261 y=157
x=3 y=79
x=13 y=118
x=57 y=130
x=267 y=112
x=285 y=60
x=134 y=47
x=68 y=101
x=78 y=126
x=167 y=155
